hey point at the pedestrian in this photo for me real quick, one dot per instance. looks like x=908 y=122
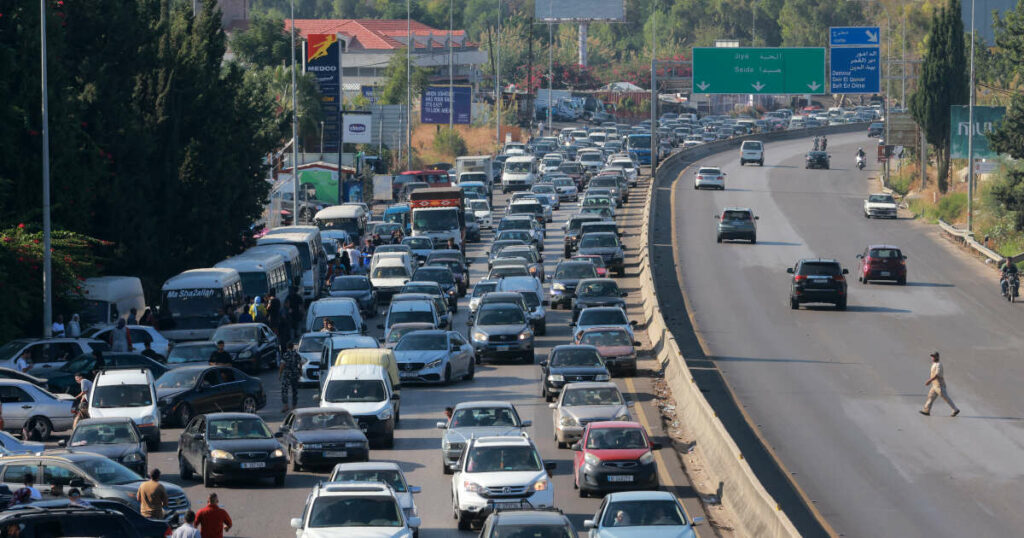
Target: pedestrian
x=152 y=496
x=75 y=499
x=120 y=339
x=187 y=529
x=284 y=332
x=273 y=310
x=245 y=316
x=99 y=363
x=212 y=519
x=937 y=382
x=817 y=142
x=58 y=326
x=346 y=262
x=27 y=492
x=74 y=328
x=296 y=312
x=148 y=351
x=220 y=357
x=24 y=362
x=824 y=142
x=448 y=412
x=288 y=374
x=225 y=319
x=258 y=310
x=369 y=247
x=147 y=318
x=81 y=405
x=133 y=317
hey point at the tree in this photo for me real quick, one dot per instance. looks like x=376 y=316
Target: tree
x=1010 y=195
x=394 y=90
x=805 y=23
x=274 y=83
x=1009 y=29
x=943 y=83
x=266 y=43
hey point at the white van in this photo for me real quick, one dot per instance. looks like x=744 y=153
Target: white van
x=108 y=298
x=260 y=273
x=519 y=173
x=129 y=394
x=292 y=260
x=191 y=302
x=404 y=257
x=365 y=391
x=311 y=251
x=350 y=218
x=343 y=311
x=389 y=275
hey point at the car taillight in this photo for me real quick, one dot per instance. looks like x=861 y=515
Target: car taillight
x=700 y=177
x=839 y=278
x=799 y=278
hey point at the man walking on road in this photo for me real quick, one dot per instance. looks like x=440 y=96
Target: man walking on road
x=937 y=382
x=152 y=496
x=212 y=519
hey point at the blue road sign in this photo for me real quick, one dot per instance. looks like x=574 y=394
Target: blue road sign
x=855 y=70
x=841 y=36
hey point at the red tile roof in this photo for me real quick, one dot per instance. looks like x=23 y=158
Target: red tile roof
x=373 y=34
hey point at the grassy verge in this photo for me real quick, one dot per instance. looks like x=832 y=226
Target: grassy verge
x=949 y=208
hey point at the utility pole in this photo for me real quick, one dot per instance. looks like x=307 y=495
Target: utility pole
x=529 y=72
x=888 y=71
x=295 y=130
x=654 y=94
x=451 y=66
x=341 y=117
x=551 y=53
x=497 y=83
x=408 y=84
x=970 y=137
x=903 y=71
x=47 y=256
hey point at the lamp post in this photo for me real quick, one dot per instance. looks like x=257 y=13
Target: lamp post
x=497 y=83
x=970 y=137
x=451 y=65
x=295 y=130
x=551 y=52
x=47 y=257
x=408 y=83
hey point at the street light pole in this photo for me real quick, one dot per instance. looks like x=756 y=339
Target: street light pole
x=295 y=131
x=970 y=137
x=451 y=75
x=551 y=52
x=497 y=83
x=47 y=257
x=410 y=48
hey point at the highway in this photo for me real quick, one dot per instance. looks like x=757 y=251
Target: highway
x=836 y=394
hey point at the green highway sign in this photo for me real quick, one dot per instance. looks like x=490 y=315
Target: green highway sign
x=759 y=70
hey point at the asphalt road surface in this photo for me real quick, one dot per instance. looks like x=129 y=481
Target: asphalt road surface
x=836 y=394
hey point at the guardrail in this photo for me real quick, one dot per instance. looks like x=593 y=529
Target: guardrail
x=967 y=238
x=756 y=512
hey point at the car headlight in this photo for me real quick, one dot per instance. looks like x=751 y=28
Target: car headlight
x=245 y=354
x=134 y=457
x=435 y=364
x=540 y=485
x=568 y=421
x=479 y=336
x=310 y=446
x=355 y=444
x=601 y=377
x=277 y=453
x=384 y=414
x=221 y=455
x=591 y=459
x=647 y=458
x=451 y=291
x=556 y=377
x=623 y=416
x=472 y=487
x=525 y=334
x=558 y=286
x=445 y=444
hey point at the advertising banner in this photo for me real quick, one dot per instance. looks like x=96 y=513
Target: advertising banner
x=358 y=128
x=986 y=120
x=434 y=104
x=322 y=61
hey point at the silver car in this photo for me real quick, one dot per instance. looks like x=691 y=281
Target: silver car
x=476 y=419
x=583 y=403
x=434 y=357
x=34 y=409
x=385 y=472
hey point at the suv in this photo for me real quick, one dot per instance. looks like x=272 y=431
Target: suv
x=496 y=473
x=550 y=522
x=353 y=509
x=752 y=151
x=469 y=420
x=48 y=352
x=817 y=280
x=66 y=521
x=737 y=223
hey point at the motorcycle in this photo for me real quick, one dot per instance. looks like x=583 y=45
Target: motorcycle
x=860 y=162
x=1011 y=287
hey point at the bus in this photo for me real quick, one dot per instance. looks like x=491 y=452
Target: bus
x=191 y=303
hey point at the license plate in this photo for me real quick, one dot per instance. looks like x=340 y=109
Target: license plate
x=620 y=478
x=884 y=273
x=404 y=375
x=504 y=348
x=254 y=465
x=335 y=454
x=508 y=506
x=820 y=280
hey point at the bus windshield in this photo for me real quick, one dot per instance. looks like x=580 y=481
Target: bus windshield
x=192 y=308
x=435 y=220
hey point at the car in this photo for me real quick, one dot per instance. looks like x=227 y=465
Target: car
x=388 y=276
x=882 y=262
x=595 y=259
x=641 y=513
x=710 y=177
x=440 y=305
x=606 y=245
x=62 y=379
x=422 y=311
x=365 y=389
x=481 y=288
x=613 y=456
x=253 y=346
x=499 y=472
x=610 y=183
x=599 y=201
x=432 y=289
x=398 y=330
x=474 y=419
x=564 y=280
x=11 y=373
x=628 y=167
x=459 y=270
x=434 y=356
x=817 y=280
x=356 y=509
x=572 y=231
x=322 y=349
x=190 y=390
x=128 y=393
x=383 y=472
x=534 y=261
x=95 y=475
x=444 y=276
x=117 y=438
x=32 y=410
x=502 y=331
x=482 y=212
x=420 y=245
x=615 y=345
x=58 y=518
x=144 y=526
x=548 y=193
x=752 y=151
x=570 y=364
x=582 y=403
x=881 y=205
x=138 y=335
x=10 y=444
x=551 y=523
x=190 y=353
x=817 y=159
x=591 y=292
x=508 y=267
x=221 y=446
x=318 y=437
x=47 y=353
x=533 y=296
x=566 y=189
x=503 y=297
x=357 y=287
x=736 y=223
x=875 y=129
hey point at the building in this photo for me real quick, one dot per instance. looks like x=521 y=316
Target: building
x=372 y=43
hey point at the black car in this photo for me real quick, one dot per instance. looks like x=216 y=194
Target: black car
x=228 y=446
x=607 y=245
x=147 y=528
x=548 y=523
x=315 y=436
x=459 y=271
x=357 y=287
x=564 y=280
x=817 y=280
x=444 y=277
x=570 y=364
x=497 y=246
x=572 y=231
x=192 y=390
x=253 y=346
x=597 y=292
x=117 y=438
x=190 y=353
x=66 y=521
x=817 y=159
x=62 y=380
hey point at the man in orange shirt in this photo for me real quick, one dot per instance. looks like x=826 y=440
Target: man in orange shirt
x=213 y=520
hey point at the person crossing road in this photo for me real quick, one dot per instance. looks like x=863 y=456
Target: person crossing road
x=937 y=382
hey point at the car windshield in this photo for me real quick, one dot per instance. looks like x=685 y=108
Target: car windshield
x=563 y=183
x=593 y=259
x=736 y=215
x=484 y=287
x=591 y=396
x=590 y=157
x=479 y=206
x=616 y=439
x=523 y=530
x=599 y=241
x=606 y=338
x=607 y=182
x=428 y=274
x=327 y=420
x=508 y=270
x=454 y=265
x=575 y=270
x=411 y=316
x=342 y=322
x=881 y=199
x=518 y=167
x=575 y=357
x=483 y=417
x=501 y=316
x=105 y=396
x=598 y=289
x=390 y=477
x=819 y=268
x=396 y=271
x=885 y=253
x=490 y=459
x=351 y=283
x=179 y=379
x=238 y=428
x=435 y=220
x=428 y=288
x=103 y=434
x=597 y=201
x=423 y=342
x=183 y=354
x=107 y=472
x=312 y=344
x=612 y=316
x=543 y=189
x=236 y=334
x=601 y=211
x=418 y=243
x=354 y=390
x=397 y=333
x=709 y=172
x=345 y=511
x=643 y=513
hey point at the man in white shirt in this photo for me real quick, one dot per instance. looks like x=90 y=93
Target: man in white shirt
x=24 y=362
x=58 y=326
x=187 y=530
x=81 y=399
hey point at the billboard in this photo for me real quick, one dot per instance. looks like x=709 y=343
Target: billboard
x=986 y=120
x=322 y=60
x=579 y=10
x=434 y=104
x=358 y=128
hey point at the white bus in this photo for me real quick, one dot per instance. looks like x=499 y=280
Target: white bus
x=191 y=302
x=292 y=261
x=311 y=251
x=260 y=273
x=350 y=218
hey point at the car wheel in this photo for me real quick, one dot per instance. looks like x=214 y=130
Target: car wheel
x=902 y=281
x=207 y=475
x=389 y=443
x=753 y=240
x=719 y=238
x=471 y=371
x=695 y=186
x=153 y=445
x=583 y=493
x=464 y=523
x=39 y=428
x=794 y=304
x=184 y=414
x=761 y=162
x=447 y=374
x=528 y=357
x=445 y=469
x=184 y=471
x=249 y=404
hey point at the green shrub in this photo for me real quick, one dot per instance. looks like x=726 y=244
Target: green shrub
x=449 y=142
x=951 y=206
x=901 y=184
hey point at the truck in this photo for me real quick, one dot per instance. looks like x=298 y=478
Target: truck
x=439 y=213
x=471 y=167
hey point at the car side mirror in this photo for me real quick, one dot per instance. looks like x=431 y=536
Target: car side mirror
x=906 y=257
x=415 y=522
x=316 y=398
x=396 y=396
x=655 y=446
x=62 y=443
x=589 y=524
x=415 y=489
x=296 y=523
x=552 y=406
x=624 y=294
x=279 y=434
x=860 y=256
x=79 y=482
x=545 y=302
x=380 y=325
x=633 y=323
x=543 y=364
x=526 y=424
x=698 y=520
x=757 y=218
x=576 y=447
x=550 y=466
x=441 y=425
x=630 y=403
x=197 y=436
x=789 y=270
x=846 y=271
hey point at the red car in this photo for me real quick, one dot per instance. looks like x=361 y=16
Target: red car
x=882 y=262
x=614 y=456
x=596 y=259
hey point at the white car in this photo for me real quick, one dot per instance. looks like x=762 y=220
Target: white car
x=139 y=334
x=641 y=514
x=130 y=394
x=881 y=206
x=384 y=472
x=752 y=151
x=628 y=167
x=496 y=473
x=353 y=510
x=482 y=211
x=710 y=177
x=566 y=189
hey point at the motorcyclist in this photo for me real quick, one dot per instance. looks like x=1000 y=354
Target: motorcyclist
x=860 y=152
x=1008 y=271
x=817 y=142
x=824 y=142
